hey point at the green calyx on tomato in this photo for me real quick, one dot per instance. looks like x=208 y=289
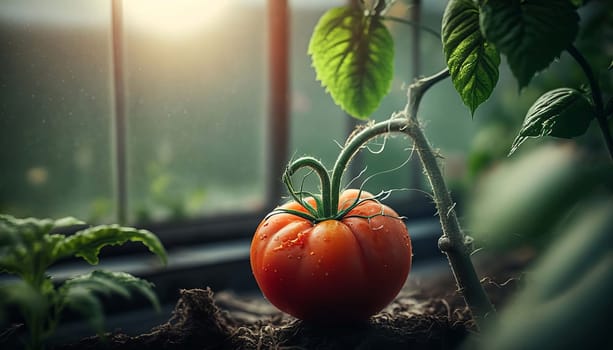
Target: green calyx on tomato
x=334 y=257
x=324 y=206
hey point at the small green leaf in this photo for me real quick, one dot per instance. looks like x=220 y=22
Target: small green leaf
x=67 y=222
x=87 y=243
x=564 y=113
x=80 y=293
x=26 y=245
x=23 y=295
x=29 y=230
x=83 y=301
x=473 y=62
x=530 y=33
x=99 y=282
x=353 y=56
x=26 y=231
x=107 y=282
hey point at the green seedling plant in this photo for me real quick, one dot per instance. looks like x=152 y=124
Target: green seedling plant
x=352 y=53
x=28 y=247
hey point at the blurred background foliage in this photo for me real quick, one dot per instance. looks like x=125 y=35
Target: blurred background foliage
x=555 y=198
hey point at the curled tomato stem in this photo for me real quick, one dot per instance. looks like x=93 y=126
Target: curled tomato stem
x=354 y=144
x=323 y=203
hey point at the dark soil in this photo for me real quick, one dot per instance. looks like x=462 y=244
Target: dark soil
x=427 y=314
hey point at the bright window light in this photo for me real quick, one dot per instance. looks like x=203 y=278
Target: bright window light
x=177 y=18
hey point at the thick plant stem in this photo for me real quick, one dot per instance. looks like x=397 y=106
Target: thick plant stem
x=597 y=97
x=453 y=241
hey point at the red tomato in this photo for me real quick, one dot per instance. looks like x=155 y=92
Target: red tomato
x=334 y=270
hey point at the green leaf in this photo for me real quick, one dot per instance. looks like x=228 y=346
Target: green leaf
x=107 y=282
x=473 y=62
x=67 y=222
x=83 y=301
x=26 y=245
x=564 y=113
x=25 y=231
x=531 y=33
x=87 y=243
x=80 y=293
x=30 y=230
x=23 y=295
x=353 y=57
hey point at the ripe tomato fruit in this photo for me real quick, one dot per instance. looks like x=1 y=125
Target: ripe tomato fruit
x=333 y=270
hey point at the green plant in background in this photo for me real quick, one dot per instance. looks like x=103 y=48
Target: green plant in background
x=166 y=197
x=353 y=52
x=28 y=247
x=558 y=201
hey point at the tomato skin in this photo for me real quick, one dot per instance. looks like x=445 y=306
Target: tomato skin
x=333 y=271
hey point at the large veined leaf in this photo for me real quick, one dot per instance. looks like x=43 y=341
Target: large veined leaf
x=531 y=33
x=87 y=243
x=353 y=56
x=473 y=62
x=563 y=112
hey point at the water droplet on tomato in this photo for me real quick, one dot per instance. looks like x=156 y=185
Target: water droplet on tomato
x=326 y=274
x=312 y=253
x=275 y=270
x=290 y=256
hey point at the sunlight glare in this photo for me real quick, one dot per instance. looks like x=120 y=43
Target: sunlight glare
x=174 y=18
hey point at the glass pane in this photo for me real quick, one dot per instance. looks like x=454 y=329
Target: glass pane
x=317 y=124
x=55 y=109
x=196 y=106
